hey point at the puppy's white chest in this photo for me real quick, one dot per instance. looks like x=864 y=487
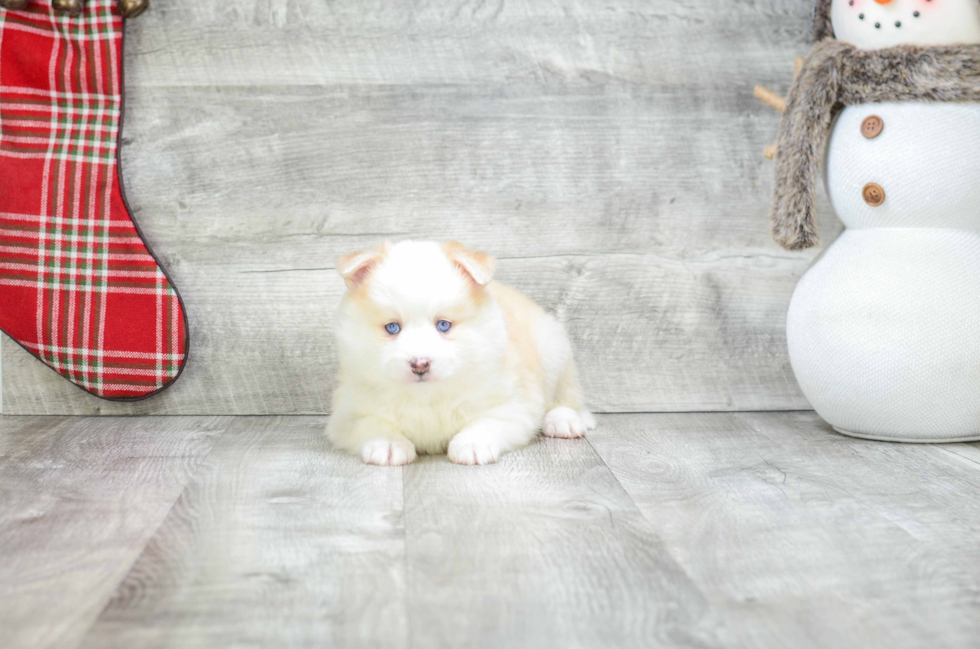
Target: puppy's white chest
x=430 y=423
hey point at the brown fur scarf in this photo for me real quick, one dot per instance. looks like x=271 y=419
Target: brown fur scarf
x=822 y=27
x=835 y=75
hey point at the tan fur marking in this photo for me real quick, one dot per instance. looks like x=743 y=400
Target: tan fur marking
x=521 y=314
x=356 y=267
x=479 y=266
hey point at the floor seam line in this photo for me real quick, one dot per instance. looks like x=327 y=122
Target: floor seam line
x=629 y=496
x=327 y=414
x=156 y=530
x=408 y=618
x=945 y=449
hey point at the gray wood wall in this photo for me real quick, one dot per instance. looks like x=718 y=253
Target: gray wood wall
x=609 y=153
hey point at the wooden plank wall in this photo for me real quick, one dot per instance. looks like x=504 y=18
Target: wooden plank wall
x=609 y=153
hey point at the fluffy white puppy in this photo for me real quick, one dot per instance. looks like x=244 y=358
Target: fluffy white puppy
x=435 y=357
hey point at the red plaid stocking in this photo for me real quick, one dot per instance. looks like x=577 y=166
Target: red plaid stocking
x=79 y=288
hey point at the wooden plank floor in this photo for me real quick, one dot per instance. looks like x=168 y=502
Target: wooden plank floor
x=706 y=530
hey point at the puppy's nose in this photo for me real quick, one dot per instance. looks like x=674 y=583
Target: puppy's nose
x=420 y=365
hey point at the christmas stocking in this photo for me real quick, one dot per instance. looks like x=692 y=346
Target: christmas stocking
x=79 y=288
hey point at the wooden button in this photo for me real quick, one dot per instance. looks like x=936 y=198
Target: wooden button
x=873 y=194
x=872 y=126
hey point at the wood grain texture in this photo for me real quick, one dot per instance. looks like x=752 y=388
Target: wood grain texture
x=542 y=549
x=801 y=537
x=685 y=530
x=276 y=542
x=609 y=153
x=282 y=542
x=79 y=500
x=426 y=42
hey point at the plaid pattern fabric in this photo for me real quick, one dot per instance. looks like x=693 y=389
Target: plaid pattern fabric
x=79 y=289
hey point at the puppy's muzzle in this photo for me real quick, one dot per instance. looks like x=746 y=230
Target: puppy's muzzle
x=420 y=366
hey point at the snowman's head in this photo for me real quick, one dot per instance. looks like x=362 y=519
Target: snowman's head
x=873 y=24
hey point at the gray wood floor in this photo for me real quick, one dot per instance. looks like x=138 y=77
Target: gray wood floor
x=704 y=530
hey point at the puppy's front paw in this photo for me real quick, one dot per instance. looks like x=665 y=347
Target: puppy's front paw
x=563 y=422
x=388 y=452
x=470 y=450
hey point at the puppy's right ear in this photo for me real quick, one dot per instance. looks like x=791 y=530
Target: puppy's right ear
x=357 y=266
x=479 y=266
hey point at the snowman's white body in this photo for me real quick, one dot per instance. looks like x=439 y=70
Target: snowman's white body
x=884 y=329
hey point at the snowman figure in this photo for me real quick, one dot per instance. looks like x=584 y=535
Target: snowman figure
x=884 y=329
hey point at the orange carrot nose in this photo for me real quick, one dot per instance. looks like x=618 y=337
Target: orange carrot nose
x=883 y=2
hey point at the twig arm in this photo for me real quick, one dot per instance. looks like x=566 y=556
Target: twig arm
x=778 y=102
x=767 y=96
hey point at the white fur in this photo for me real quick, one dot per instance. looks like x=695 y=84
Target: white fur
x=939 y=22
x=564 y=422
x=490 y=386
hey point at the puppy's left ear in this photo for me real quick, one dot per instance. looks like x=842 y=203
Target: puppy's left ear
x=479 y=266
x=356 y=267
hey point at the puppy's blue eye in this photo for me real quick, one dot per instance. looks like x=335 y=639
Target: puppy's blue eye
x=443 y=325
x=393 y=328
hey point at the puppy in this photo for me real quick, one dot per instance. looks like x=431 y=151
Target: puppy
x=437 y=358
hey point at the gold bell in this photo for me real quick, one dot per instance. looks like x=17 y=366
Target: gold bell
x=13 y=4
x=71 y=7
x=133 y=8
